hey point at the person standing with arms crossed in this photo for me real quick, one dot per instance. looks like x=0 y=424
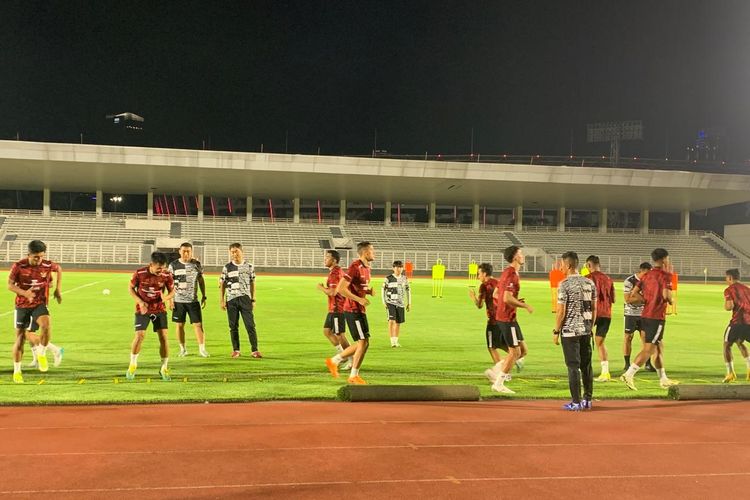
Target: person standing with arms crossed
x=574 y=319
x=237 y=294
x=187 y=273
x=655 y=290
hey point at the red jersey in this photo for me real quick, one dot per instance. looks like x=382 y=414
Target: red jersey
x=740 y=295
x=149 y=287
x=605 y=293
x=485 y=293
x=652 y=285
x=358 y=275
x=335 y=302
x=35 y=278
x=507 y=282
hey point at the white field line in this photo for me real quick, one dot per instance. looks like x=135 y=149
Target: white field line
x=6 y=313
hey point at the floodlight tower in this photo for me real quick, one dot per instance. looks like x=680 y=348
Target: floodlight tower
x=614 y=133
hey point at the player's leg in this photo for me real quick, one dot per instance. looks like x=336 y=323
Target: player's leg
x=587 y=372
x=729 y=339
x=233 y=317
x=572 y=353
x=135 y=348
x=649 y=366
x=180 y=329
x=627 y=340
x=246 y=311
x=602 y=328
x=400 y=318
x=362 y=331
x=163 y=333
x=41 y=324
x=18 y=354
x=196 y=319
x=33 y=340
x=743 y=349
x=512 y=337
x=653 y=331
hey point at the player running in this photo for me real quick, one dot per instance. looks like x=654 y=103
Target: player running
x=655 y=288
x=737 y=300
x=605 y=297
x=187 y=272
x=633 y=316
x=334 y=326
x=354 y=286
x=506 y=303
x=493 y=336
x=396 y=296
x=146 y=287
x=30 y=280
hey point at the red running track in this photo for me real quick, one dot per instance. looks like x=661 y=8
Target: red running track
x=502 y=449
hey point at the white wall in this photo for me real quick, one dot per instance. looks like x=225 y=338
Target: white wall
x=738 y=235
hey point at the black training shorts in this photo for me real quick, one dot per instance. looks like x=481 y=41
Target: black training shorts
x=653 y=329
x=159 y=321
x=336 y=323
x=184 y=309
x=358 y=327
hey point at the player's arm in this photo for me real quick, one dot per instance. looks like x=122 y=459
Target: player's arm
x=13 y=287
x=478 y=300
x=343 y=289
x=169 y=285
x=202 y=286
x=328 y=291
x=559 y=318
x=222 y=288
x=612 y=292
x=509 y=299
x=383 y=291
x=408 y=295
x=142 y=306
x=635 y=297
x=667 y=294
x=252 y=290
x=728 y=304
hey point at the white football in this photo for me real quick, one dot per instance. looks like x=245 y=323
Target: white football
x=105 y=291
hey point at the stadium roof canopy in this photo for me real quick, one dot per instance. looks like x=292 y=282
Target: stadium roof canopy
x=133 y=170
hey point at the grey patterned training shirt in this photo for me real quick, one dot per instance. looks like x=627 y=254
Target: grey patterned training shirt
x=627 y=287
x=185 y=280
x=237 y=279
x=578 y=294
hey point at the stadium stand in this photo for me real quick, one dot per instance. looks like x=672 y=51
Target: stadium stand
x=86 y=239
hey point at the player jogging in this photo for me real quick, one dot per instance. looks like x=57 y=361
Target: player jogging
x=574 y=319
x=146 y=287
x=737 y=300
x=605 y=297
x=633 y=316
x=396 y=296
x=506 y=303
x=187 y=272
x=334 y=326
x=656 y=290
x=237 y=282
x=30 y=280
x=492 y=333
x=354 y=286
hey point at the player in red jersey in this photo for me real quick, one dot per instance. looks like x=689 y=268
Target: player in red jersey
x=493 y=335
x=334 y=327
x=30 y=280
x=506 y=303
x=737 y=300
x=605 y=297
x=355 y=286
x=655 y=290
x=146 y=287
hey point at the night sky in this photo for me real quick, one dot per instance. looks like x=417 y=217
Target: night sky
x=522 y=74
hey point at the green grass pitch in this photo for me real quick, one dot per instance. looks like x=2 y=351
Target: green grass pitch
x=443 y=343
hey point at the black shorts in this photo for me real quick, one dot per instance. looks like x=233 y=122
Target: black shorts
x=396 y=314
x=737 y=333
x=494 y=337
x=358 y=327
x=602 y=327
x=511 y=333
x=183 y=309
x=336 y=323
x=159 y=321
x=633 y=324
x=653 y=329
x=25 y=318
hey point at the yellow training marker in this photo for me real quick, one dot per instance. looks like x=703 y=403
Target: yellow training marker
x=40 y=382
x=81 y=381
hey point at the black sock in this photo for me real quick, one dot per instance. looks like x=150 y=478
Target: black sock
x=627 y=361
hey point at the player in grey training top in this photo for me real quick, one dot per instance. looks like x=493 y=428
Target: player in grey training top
x=238 y=282
x=187 y=273
x=396 y=296
x=633 y=316
x=575 y=316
